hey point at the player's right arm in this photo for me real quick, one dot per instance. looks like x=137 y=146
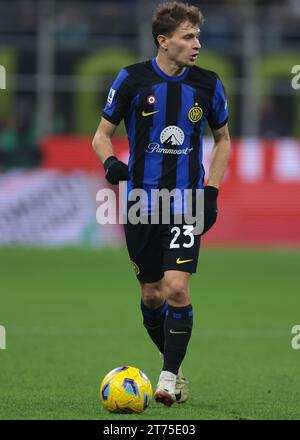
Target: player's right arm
x=114 y=111
x=102 y=142
x=115 y=170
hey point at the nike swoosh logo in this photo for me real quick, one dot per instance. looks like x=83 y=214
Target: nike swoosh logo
x=178 y=261
x=148 y=114
x=177 y=333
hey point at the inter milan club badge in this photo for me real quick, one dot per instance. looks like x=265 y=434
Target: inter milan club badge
x=135 y=267
x=195 y=113
x=151 y=99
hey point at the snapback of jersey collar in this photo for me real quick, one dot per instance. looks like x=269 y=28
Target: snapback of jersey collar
x=163 y=75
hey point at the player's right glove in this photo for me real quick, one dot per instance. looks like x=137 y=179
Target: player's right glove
x=115 y=170
x=210 y=207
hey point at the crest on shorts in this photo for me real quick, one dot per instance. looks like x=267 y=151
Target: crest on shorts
x=135 y=267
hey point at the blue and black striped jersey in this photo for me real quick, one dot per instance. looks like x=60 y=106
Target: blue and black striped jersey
x=165 y=118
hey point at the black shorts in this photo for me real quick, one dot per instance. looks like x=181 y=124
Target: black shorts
x=153 y=249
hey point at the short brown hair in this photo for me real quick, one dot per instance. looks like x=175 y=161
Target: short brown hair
x=169 y=15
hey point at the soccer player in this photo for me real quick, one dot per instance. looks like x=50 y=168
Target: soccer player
x=166 y=103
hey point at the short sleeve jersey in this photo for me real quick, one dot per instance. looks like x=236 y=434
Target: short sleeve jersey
x=165 y=117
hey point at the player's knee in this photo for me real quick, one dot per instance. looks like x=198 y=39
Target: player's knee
x=177 y=292
x=152 y=296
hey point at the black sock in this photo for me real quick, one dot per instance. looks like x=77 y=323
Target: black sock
x=154 y=324
x=178 y=330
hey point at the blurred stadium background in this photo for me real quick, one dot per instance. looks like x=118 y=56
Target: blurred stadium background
x=60 y=59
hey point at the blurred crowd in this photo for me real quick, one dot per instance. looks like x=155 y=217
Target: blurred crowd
x=83 y=27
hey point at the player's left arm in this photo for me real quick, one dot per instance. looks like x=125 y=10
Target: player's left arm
x=219 y=156
x=218 y=164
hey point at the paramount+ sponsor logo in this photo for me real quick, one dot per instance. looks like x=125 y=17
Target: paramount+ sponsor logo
x=171 y=139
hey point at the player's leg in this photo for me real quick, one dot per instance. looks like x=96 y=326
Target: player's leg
x=181 y=250
x=144 y=247
x=154 y=307
x=179 y=318
x=177 y=331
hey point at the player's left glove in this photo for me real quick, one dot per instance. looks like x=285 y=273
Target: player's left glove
x=210 y=207
x=115 y=170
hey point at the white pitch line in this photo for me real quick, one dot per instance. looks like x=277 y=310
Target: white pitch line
x=205 y=333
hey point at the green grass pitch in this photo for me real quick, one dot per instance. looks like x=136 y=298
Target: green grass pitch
x=72 y=315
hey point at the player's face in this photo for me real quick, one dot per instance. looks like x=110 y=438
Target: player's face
x=184 y=45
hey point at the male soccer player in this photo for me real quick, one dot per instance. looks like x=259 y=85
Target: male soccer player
x=165 y=103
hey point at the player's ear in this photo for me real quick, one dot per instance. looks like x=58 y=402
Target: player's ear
x=162 y=41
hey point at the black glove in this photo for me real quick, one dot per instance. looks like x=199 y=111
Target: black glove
x=210 y=207
x=115 y=170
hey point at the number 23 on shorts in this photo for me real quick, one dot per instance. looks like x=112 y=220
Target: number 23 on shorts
x=187 y=231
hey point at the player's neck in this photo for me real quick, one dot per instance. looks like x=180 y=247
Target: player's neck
x=167 y=66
